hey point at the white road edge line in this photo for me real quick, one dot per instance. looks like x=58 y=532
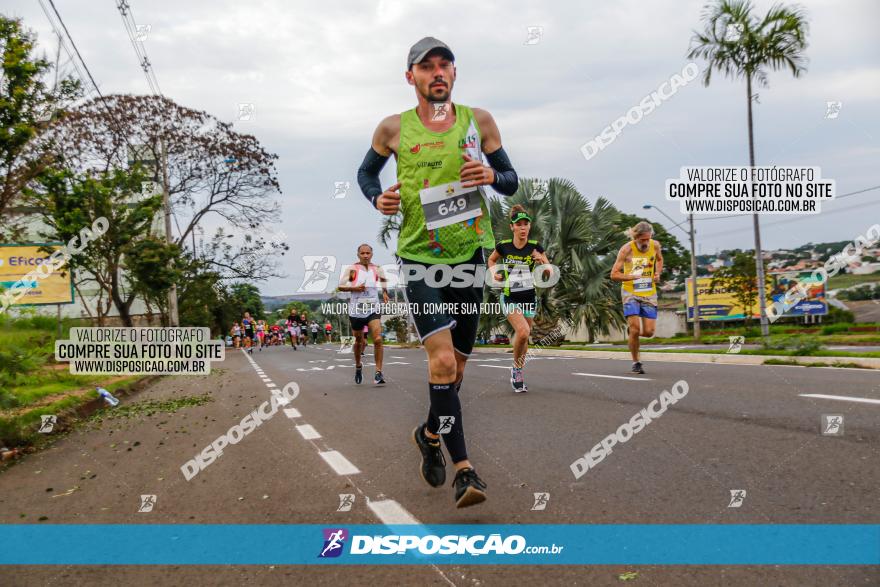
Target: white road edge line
x=493 y=366
x=340 y=464
x=613 y=377
x=292 y=413
x=308 y=432
x=391 y=513
x=861 y=400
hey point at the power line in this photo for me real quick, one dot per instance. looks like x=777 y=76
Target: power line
x=131 y=28
x=61 y=43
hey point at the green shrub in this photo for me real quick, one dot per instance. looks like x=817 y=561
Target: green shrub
x=836 y=315
x=806 y=346
x=836 y=328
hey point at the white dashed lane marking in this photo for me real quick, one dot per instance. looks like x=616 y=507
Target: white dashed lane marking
x=613 y=377
x=308 y=432
x=843 y=398
x=392 y=513
x=339 y=463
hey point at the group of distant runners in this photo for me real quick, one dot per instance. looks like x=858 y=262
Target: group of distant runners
x=250 y=333
x=439 y=148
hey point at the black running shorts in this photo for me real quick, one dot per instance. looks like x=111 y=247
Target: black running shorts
x=357 y=324
x=462 y=315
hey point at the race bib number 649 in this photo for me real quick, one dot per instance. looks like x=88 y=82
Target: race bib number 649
x=449 y=203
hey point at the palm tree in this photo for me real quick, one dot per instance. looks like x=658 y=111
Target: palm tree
x=582 y=240
x=738 y=44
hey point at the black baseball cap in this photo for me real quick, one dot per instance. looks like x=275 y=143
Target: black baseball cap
x=420 y=50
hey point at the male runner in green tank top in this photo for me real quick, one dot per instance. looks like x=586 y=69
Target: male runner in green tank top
x=438 y=147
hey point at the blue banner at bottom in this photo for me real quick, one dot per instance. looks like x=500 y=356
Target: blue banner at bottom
x=649 y=544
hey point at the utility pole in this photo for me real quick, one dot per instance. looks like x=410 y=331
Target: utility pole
x=694 y=281
x=759 y=257
x=173 y=317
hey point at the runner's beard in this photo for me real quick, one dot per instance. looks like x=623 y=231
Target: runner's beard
x=438 y=94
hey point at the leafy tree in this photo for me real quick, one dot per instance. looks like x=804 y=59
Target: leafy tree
x=153 y=267
x=210 y=168
x=246 y=298
x=27 y=107
x=740 y=280
x=398 y=325
x=69 y=202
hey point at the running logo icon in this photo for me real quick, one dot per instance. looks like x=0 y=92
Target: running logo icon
x=317 y=275
x=147 y=503
x=540 y=189
x=541 y=501
x=346 y=343
x=334 y=541
x=141 y=32
x=832 y=425
x=340 y=189
x=534 y=34
x=832 y=109
x=736 y=343
x=446 y=424
x=737 y=497
x=440 y=111
x=246 y=111
x=47 y=423
x=734 y=32
x=346 y=500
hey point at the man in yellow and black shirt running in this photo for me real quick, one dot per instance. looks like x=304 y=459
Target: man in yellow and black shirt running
x=638 y=266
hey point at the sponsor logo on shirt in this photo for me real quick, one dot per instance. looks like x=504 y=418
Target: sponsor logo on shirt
x=432 y=145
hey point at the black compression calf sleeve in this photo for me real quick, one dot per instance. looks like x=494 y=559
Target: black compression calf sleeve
x=506 y=181
x=368 y=175
x=432 y=421
x=445 y=404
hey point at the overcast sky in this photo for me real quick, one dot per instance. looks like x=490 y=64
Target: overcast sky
x=321 y=79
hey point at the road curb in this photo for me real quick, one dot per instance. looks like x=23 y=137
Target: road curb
x=719 y=358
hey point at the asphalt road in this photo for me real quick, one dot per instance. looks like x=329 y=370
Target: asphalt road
x=755 y=428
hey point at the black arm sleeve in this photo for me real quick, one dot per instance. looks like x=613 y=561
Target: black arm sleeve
x=506 y=181
x=368 y=175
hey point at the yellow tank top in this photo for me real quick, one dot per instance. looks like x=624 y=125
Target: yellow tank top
x=641 y=264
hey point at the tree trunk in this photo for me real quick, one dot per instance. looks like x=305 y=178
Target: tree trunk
x=121 y=306
x=759 y=262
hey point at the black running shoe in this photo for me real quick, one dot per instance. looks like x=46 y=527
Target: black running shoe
x=469 y=488
x=637 y=368
x=358 y=375
x=433 y=469
x=379 y=379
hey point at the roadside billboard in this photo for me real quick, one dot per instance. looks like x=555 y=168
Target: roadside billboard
x=722 y=305
x=18 y=260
